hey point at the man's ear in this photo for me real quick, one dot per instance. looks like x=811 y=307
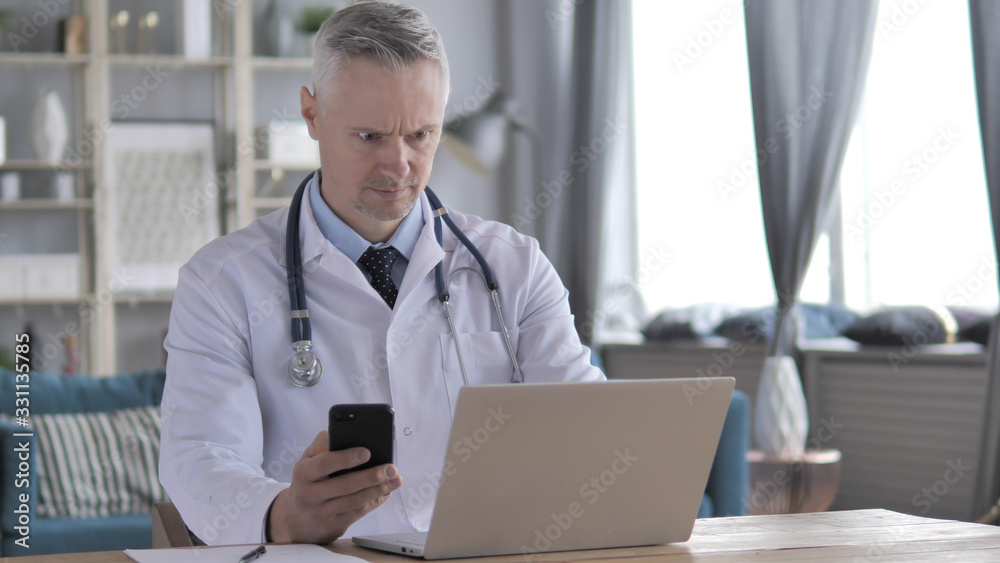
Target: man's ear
x=310 y=111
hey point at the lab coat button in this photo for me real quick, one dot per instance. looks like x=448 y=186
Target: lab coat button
x=407 y=431
x=392 y=333
x=418 y=525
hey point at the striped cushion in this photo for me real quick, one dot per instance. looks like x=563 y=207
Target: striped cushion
x=98 y=464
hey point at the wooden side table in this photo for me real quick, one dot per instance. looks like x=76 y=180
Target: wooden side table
x=782 y=486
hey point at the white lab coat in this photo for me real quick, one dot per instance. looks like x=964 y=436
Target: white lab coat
x=234 y=425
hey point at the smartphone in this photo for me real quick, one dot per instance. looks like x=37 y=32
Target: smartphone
x=366 y=425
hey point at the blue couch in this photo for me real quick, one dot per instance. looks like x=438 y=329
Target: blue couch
x=51 y=394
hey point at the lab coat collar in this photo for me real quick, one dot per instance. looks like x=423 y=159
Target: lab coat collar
x=426 y=254
x=315 y=246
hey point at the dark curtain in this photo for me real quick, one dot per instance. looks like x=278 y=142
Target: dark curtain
x=985 y=19
x=569 y=67
x=808 y=62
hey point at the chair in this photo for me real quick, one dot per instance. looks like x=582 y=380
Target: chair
x=729 y=480
x=169 y=529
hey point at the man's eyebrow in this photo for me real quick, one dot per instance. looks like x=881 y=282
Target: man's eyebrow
x=355 y=129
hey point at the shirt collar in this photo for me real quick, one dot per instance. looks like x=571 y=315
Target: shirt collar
x=349 y=242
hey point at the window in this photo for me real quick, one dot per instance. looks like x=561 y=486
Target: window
x=913 y=189
x=697 y=183
x=698 y=191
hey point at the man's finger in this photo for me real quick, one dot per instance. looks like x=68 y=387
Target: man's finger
x=365 y=499
x=353 y=482
x=323 y=464
x=319 y=444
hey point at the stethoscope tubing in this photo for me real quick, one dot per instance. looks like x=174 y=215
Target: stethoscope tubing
x=305 y=369
x=301 y=328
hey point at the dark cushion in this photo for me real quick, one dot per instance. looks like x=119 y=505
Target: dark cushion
x=967 y=318
x=904 y=326
x=688 y=323
x=978 y=331
x=757 y=325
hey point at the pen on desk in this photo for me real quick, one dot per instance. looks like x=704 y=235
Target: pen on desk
x=253 y=555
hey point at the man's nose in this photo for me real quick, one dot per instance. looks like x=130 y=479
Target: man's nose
x=396 y=159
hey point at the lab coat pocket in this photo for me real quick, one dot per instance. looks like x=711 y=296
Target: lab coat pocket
x=485 y=356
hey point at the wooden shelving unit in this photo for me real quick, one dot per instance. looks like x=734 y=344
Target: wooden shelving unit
x=234 y=68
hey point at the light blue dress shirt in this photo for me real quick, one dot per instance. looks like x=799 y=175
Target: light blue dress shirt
x=353 y=245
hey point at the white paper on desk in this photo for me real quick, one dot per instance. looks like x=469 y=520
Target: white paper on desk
x=296 y=553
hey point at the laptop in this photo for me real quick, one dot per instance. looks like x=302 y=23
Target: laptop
x=573 y=466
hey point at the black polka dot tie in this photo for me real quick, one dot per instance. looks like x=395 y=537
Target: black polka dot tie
x=378 y=263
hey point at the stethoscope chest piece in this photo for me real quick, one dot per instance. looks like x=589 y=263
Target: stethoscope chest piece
x=304 y=370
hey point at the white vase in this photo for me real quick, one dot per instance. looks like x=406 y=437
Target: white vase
x=781 y=421
x=10 y=186
x=197 y=29
x=49 y=128
x=278 y=31
x=64 y=185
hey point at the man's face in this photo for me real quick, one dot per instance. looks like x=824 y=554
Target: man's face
x=377 y=134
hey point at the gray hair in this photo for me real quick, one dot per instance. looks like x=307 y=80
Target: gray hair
x=391 y=35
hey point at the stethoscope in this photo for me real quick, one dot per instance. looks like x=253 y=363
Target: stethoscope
x=305 y=369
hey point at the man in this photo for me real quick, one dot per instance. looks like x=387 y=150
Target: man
x=244 y=454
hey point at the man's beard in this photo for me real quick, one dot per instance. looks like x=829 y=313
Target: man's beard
x=387 y=211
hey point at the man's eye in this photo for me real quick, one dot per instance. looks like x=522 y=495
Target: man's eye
x=368 y=136
x=421 y=134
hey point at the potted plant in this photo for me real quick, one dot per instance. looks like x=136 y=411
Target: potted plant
x=312 y=17
x=310 y=20
x=5 y=17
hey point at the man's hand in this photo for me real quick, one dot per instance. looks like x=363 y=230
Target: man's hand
x=318 y=508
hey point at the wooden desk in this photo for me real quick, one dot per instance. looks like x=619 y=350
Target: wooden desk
x=856 y=535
